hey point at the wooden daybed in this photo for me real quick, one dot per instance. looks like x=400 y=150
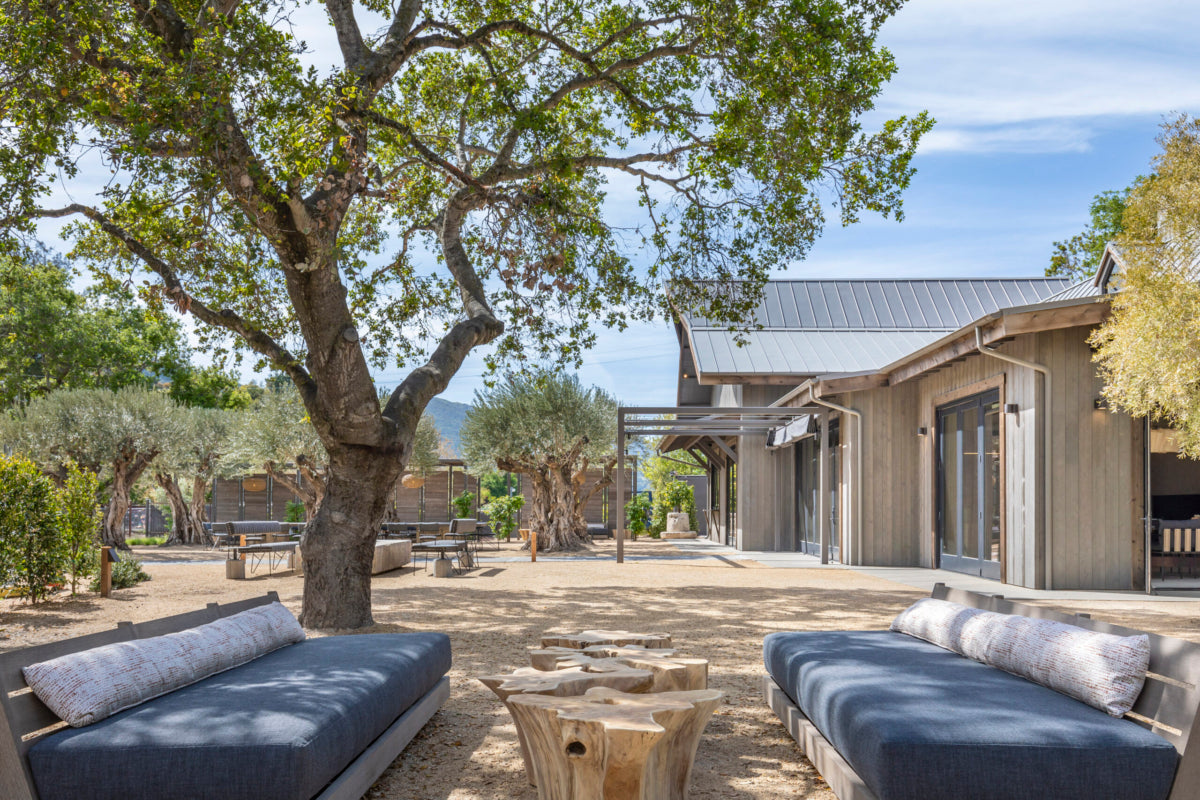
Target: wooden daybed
x=834 y=673
x=304 y=705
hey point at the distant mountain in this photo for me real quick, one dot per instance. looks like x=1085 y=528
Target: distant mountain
x=449 y=417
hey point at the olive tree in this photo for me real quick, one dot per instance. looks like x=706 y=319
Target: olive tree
x=116 y=434
x=551 y=429
x=441 y=188
x=192 y=458
x=274 y=435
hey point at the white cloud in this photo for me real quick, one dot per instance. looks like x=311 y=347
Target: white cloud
x=1025 y=76
x=1021 y=138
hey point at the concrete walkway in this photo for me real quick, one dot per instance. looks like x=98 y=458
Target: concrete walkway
x=923 y=578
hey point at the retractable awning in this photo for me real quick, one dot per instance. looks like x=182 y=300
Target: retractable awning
x=792 y=432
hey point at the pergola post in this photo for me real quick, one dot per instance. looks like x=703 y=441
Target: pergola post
x=823 y=489
x=619 y=530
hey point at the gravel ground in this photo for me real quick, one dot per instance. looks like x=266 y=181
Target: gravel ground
x=715 y=608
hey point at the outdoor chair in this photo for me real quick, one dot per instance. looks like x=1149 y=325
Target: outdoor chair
x=464 y=530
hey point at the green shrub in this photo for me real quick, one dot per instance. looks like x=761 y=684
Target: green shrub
x=80 y=524
x=638 y=512
x=146 y=541
x=32 y=555
x=126 y=574
x=674 y=494
x=502 y=514
x=462 y=505
x=295 y=511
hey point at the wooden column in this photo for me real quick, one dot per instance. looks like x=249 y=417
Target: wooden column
x=619 y=525
x=823 y=486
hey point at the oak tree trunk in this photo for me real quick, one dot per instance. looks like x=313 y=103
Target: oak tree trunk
x=338 y=544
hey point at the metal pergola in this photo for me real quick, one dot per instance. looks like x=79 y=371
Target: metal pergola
x=713 y=422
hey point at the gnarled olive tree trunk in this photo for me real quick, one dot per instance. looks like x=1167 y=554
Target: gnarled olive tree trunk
x=557 y=497
x=311 y=490
x=126 y=471
x=186 y=526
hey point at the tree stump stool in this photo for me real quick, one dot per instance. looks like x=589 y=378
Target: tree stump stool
x=546 y=657
x=562 y=683
x=609 y=745
x=579 y=641
x=671 y=673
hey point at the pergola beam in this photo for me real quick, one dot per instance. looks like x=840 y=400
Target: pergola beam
x=703 y=423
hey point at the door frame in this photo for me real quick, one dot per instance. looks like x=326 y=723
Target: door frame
x=993 y=382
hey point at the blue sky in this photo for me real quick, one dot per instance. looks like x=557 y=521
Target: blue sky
x=1040 y=104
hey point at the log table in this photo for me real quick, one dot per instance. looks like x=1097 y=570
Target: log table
x=579 y=641
x=610 y=745
x=562 y=683
x=671 y=673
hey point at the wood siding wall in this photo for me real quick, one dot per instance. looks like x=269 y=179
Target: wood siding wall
x=1097 y=463
x=1097 y=467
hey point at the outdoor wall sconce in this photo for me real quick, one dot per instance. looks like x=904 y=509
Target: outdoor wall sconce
x=1011 y=408
x=1100 y=404
x=922 y=431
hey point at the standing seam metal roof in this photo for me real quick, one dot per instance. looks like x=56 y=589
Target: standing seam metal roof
x=822 y=326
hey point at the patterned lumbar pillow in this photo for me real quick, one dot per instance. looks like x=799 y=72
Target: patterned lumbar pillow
x=1099 y=669
x=85 y=687
x=938 y=622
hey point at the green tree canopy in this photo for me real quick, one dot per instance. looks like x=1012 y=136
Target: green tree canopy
x=1149 y=349
x=274 y=435
x=1079 y=256
x=56 y=338
x=114 y=434
x=299 y=211
x=551 y=429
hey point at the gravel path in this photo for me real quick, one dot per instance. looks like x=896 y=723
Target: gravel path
x=718 y=609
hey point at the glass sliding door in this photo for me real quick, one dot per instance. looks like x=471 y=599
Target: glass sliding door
x=968 y=519
x=808 y=488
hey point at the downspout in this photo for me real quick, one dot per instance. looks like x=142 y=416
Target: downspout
x=1048 y=477
x=858 y=487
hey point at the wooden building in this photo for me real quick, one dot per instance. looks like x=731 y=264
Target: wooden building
x=940 y=423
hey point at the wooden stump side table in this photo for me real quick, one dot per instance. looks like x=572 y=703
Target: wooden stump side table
x=562 y=683
x=671 y=673
x=609 y=745
x=578 y=641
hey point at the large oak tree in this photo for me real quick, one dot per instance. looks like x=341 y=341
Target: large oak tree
x=295 y=211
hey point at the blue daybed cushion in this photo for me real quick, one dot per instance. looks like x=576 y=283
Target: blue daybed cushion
x=917 y=722
x=278 y=728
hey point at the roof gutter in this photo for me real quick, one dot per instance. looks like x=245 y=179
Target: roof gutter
x=1047 y=443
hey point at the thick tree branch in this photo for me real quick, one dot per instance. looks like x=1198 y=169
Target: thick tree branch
x=185 y=302
x=433 y=158
x=355 y=53
x=479 y=327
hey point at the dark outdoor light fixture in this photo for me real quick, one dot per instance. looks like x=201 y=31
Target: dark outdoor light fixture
x=922 y=431
x=1011 y=408
x=1101 y=404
